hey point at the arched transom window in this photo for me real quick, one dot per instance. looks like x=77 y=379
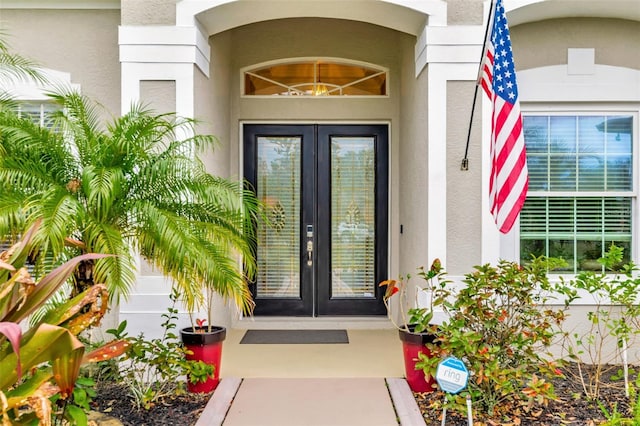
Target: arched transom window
x=315 y=77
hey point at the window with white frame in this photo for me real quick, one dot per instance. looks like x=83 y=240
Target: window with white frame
x=581 y=186
x=39 y=112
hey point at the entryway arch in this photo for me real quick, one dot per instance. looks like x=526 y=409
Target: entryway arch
x=216 y=16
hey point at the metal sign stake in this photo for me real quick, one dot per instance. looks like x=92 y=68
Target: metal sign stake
x=444 y=412
x=452 y=377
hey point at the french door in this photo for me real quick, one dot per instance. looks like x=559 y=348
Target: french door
x=323 y=248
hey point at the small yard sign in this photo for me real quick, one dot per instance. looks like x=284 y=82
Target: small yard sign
x=452 y=375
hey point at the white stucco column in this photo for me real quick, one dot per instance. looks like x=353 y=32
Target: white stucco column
x=162 y=53
x=448 y=54
x=159 y=53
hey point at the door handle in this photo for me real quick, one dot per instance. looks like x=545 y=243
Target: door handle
x=309 y=253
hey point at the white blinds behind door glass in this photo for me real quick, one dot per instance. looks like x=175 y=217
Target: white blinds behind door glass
x=279 y=245
x=353 y=217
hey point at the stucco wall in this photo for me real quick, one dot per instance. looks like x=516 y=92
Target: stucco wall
x=464 y=12
x=212 y=106
x=83 y=43
x=159 y=95
x=412 y=174
x=148 y=12
x=545 y=43
x=464 y=190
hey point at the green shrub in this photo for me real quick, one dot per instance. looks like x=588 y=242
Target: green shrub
x=499 y=327
x=613 y=319
x=156 y=368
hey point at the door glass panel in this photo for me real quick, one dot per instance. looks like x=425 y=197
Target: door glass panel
x=353 y=217
x=278 y=175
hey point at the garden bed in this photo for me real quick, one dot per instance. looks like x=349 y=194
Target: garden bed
x=571 y=408
x=183 y=410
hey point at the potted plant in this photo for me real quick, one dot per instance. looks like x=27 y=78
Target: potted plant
x=415 y=328
x=203 y=340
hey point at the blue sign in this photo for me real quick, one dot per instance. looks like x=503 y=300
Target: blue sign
x=452 y=375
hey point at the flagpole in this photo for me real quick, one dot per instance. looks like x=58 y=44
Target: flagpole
x=465 y=161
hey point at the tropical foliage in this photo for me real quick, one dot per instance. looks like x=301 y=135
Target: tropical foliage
x=45 y=359
x=132 y=185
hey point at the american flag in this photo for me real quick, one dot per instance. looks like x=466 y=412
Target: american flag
x=509 y=179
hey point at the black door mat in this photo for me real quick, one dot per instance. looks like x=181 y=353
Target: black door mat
x=294 y=337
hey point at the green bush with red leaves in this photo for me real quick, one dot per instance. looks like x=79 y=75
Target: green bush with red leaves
x=500 y=327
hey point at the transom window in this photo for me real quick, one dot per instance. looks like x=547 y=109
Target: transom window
x=321 y=77
x=581 y=187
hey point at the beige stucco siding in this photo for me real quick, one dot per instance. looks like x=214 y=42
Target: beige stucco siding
x=160 y=96
x=148 y=12
x=83 y=43
x=465 y=12
x=464 y=188
x=411 y=172
x=616 y=42
x=212 y=106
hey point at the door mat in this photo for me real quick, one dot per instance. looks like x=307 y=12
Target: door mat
x=293 y=337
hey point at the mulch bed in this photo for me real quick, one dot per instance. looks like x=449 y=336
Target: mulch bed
x=183 y=410
x=571 y=409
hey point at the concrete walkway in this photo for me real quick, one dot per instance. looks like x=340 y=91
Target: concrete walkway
x=355 y=384
x=312 y=402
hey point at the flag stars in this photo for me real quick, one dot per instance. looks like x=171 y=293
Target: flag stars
x=503 y=75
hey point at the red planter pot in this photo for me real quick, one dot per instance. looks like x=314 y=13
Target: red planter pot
x=205 y=346
x=412 y=344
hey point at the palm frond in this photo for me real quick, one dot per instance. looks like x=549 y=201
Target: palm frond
x=116 y=272
x=15 y=68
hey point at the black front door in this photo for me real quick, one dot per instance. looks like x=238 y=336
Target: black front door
x=323 y=249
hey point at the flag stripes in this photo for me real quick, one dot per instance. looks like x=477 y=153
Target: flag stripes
x=508 y=181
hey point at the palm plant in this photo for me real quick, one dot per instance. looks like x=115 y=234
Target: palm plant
x=15 y=67
x=132 y=185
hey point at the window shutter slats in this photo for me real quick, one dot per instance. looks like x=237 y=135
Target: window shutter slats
x=584 y=158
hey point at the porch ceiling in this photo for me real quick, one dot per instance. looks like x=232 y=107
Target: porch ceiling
x=232 y=14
